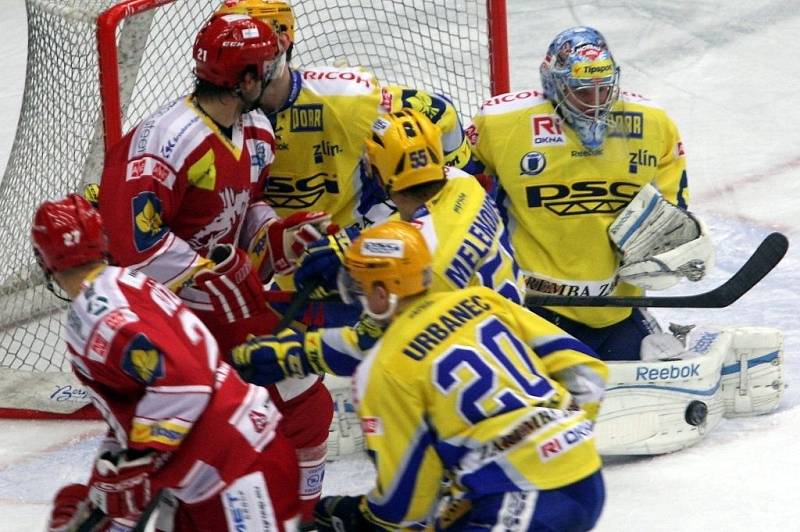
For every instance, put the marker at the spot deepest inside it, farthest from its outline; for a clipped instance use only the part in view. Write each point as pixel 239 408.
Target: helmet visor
pixel 350 290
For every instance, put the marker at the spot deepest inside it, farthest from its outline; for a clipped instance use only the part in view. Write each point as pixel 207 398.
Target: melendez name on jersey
pixel 467 239
pixel 320 134
pixel 559 198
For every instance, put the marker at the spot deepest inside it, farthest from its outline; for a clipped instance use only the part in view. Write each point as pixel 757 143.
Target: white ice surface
pixel 728 73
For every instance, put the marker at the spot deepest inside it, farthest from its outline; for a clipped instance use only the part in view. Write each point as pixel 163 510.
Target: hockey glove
pixel 289 236
pixel 659 242
pixel 341 513
pixel 340 350
pixel 233 285
pixel 253 237
pixel 70 508
pixel 266 360
pixel 120 486
pixel 322 259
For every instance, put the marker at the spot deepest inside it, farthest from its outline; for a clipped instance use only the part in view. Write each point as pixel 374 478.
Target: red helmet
pixel 67 233
pixel 226 45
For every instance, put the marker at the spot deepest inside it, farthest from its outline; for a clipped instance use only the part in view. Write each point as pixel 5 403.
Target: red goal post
pixel 96 68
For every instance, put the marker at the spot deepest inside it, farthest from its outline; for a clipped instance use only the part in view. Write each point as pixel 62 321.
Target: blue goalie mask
pixel 581 78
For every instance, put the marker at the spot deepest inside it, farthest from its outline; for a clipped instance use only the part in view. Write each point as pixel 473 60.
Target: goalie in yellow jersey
pixel 469 388
pixel 593 183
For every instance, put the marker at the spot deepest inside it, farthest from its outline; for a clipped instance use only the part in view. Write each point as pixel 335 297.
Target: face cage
pixel 350 290
pixel 592 112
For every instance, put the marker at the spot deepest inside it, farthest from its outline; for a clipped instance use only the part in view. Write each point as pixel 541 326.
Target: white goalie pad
pixel 663 406
pixel 657 406
pixel 659 242
pixel 753 374
pixel 345 435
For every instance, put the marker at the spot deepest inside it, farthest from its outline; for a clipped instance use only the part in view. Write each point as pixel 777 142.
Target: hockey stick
pixel 298 302
pixel 768 254
pixel 97 516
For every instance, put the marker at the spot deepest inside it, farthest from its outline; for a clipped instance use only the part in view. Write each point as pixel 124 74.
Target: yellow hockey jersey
pixel 320 134
pixel 467 238
pixel 461 387
pixel 559 198
pixel 469 246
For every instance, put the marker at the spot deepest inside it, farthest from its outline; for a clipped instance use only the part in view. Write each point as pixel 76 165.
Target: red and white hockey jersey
pixel 153 371
pixel 175 186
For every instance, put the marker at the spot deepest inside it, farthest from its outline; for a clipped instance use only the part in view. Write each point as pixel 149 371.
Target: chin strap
pixel 383 316
pixel 52 287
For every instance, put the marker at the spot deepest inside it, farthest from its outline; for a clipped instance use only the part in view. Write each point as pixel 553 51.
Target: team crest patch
pixel 148 228
pixel 532 163
pixel 143 361
pixel 424 103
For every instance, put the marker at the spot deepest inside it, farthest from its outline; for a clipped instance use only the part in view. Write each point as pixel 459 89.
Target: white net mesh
pixel 439 45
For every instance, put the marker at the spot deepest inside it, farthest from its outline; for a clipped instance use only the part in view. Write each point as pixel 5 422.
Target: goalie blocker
pixel 655 407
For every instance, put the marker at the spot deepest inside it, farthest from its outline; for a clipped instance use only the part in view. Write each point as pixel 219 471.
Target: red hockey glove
pixel 70 508
pixel 289 236
pixel 233 285
pixel 120 486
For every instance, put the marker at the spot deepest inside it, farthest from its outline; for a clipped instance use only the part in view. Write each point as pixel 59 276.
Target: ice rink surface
pixel 728 74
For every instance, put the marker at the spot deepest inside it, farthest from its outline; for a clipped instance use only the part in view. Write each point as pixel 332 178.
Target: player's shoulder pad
pixel 512 101
pixel 438 107
pixel 334 81
pixel 169 135
pixel 637 99
pixel 650 112
pixel 101 312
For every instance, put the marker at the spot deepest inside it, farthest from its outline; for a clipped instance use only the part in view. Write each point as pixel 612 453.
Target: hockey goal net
pixel 98 67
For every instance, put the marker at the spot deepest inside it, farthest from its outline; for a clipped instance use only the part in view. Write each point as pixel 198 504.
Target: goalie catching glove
pixel 659 242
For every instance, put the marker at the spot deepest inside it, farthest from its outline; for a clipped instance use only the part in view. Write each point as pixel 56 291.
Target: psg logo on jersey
pixel 532 163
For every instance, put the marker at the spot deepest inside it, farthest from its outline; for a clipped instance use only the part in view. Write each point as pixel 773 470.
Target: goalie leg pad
pixel 663 406
pixel 753 374
pixel 345 435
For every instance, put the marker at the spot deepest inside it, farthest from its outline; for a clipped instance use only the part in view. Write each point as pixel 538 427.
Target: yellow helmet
pixel 277 13
pixel 405 149
pixel 393 253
